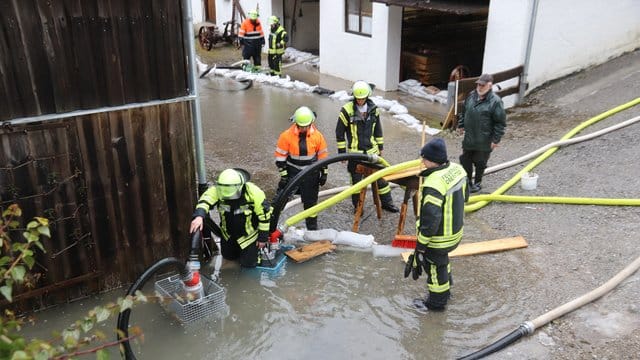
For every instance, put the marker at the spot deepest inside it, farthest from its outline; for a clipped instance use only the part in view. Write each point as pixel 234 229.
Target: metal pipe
pixel 52 117
pixel 525 71
pixel 190 53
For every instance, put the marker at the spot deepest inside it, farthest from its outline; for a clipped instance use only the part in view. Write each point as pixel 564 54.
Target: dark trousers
pixel 471 158
pixel 439 285
pixel 308 190
pixel 248 256
pixel 249 51
pixel 275 63
pixel 383 186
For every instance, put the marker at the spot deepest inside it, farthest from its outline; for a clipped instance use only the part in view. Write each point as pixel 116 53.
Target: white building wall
pixel 374 59
pixel 197 11
pixel 568 36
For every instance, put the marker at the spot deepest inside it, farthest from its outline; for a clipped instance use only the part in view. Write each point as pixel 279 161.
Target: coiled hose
pixel 123 319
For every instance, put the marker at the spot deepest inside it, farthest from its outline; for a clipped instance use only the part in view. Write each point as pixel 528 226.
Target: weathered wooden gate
pixel 96 135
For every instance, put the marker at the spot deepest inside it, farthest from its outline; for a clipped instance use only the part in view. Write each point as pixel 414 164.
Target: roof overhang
pixel 458 7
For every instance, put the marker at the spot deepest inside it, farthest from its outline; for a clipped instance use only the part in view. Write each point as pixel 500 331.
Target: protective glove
pixel 421 257
pixel 323 177
pixel 284 180
pixel 263 239
pixel 413 267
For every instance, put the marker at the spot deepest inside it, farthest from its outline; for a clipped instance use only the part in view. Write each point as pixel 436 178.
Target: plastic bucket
pixel 529 181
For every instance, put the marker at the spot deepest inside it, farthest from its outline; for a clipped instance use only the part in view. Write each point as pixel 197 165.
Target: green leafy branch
pixel 17 259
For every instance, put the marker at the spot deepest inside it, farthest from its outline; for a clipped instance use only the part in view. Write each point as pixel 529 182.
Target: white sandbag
pixel 322 234
pixel 293 235
pixel 354 239
pixel 387 251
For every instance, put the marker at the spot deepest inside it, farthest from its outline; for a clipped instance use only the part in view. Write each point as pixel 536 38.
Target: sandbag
pixel 354 239
pixel 322 234
pixel 387 251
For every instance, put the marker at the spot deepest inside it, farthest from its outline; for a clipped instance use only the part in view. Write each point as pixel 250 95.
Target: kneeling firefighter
pixel 244 216
pixel 301 145
pixel 444 191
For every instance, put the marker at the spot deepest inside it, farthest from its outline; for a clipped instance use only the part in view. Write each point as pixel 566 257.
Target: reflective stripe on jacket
pixel 444 192
pixel 359 133
pixel 251 34
pixel 240 219
pixel 278 40
pixel 300 152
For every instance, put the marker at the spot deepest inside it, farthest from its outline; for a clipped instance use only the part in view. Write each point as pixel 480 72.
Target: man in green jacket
pixel 483 123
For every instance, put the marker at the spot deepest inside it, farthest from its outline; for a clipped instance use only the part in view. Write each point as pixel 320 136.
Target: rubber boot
pixel 312 223
pixel 387 203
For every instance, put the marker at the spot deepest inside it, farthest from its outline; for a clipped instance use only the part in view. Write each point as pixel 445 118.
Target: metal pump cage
pixel 174 301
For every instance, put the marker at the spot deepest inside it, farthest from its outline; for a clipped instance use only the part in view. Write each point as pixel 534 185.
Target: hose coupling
pixel 527 327
pixel 373 158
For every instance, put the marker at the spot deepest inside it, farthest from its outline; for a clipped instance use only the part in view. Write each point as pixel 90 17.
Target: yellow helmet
pixel 229 184
pixel 253 14
pixel 273 20
pixel 361 90
pixel 303 116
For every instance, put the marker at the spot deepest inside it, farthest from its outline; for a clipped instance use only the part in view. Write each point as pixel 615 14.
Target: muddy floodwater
pixel 352 305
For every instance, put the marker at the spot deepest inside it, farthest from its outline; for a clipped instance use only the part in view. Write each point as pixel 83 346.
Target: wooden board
pixel 310 251
pixel 449 119
pixel 482 247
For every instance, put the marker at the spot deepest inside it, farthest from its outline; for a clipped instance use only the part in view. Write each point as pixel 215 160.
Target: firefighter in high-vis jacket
pixel 444 192
pixel 277 41
pixel 244 216
pixel 301 145
pixel 251 37
pixel 359 130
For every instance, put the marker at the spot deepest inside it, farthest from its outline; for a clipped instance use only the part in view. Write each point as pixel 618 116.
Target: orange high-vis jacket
pixel 300 152
pixel 251 34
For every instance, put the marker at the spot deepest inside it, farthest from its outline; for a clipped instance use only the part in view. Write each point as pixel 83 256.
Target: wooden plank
pixel 310 251
pixel 482 247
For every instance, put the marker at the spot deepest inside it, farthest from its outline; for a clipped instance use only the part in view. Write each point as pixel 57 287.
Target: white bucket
pixel 529 181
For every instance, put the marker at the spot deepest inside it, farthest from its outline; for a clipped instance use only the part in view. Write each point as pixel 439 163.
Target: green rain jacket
pixel 484 121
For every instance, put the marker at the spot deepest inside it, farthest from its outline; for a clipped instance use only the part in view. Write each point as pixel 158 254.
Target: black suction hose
pixel 123 318
pixel 502 343
pixel 281 198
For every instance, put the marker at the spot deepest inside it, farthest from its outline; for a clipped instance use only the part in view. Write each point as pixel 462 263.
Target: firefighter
pixel 359 130
pixel 444 191
pixel 277 41
pixel 244 216
pixel 301 145
pixel 252 38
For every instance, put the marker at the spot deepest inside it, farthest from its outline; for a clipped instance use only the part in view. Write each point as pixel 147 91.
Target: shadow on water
pixel 343 305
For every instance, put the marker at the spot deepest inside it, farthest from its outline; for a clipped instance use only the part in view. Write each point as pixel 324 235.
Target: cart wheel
pixel 203 38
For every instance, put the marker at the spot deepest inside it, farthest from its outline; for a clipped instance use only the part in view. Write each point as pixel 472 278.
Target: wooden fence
pixel 117 185
pixel 466 85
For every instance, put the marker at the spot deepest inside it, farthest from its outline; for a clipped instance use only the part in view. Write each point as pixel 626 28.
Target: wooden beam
pixel 483 247
pixel 310 251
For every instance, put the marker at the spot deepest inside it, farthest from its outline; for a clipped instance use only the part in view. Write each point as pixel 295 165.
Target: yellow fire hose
pixel 351 190
pixel 501 190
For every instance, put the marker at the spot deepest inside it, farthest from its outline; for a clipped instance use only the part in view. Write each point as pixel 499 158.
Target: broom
pixel 409 241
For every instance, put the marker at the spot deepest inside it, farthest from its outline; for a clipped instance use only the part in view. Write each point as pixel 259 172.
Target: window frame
pixel 360 15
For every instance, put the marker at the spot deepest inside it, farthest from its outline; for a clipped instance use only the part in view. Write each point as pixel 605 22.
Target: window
pixel 358 17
